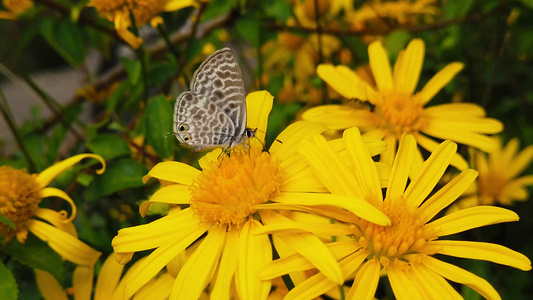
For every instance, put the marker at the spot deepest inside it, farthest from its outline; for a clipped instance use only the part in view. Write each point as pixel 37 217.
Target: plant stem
pixel 6 113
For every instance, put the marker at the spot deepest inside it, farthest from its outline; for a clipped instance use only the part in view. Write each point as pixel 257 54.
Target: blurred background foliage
pixel 123 106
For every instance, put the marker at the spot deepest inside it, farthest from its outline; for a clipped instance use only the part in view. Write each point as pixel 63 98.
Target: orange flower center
pixel 490 186
pixel 143 10
pixel 397 112
pixel 406 234
pixel 226 194
pixel 20 196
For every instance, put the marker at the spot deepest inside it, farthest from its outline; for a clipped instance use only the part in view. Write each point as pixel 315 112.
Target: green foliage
pixel 66 38
pixel 35 254
pixel 108 146
pixel 159 125
pixel 8 285
pixel 123 174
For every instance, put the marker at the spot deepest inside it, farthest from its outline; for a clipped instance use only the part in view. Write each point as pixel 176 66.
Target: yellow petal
pixel 457 161
pixel 364 167
pixel 255 252
pixel 430 174
pixel 434 284
pixel 381 69
pixel 206 161
pixel 159 258
pixel 174 5
pixel 447 194
pixel 328 167
pixel 366 281
pixel 401 167
pixel 440 80
pixel 451 110
pixel 171 194
pixel 308 245
pixel 258 107
pixel 156 233
pixel 343 80
pixel 108 278
pixel 387 157
pixel 318 284
pixel 157 289
pixel 299 177
pixel 46 176
pixel 156 21
pixel 53 192
pixel 404 286
pixel 473 125
pixel 520 162
pixel 319 229
pixel 460 135
pixel 69 247
pixel 199 268
pixel 82 279
pixel 228 265
pixel 286 143
pixel 482 251
pixel 461 276
pixel 173 171
pixel 57 219
pixel 472 217
pixel 354 204
pixel 408 72
pixel 297 263
pixel 337 117
pixel 48 286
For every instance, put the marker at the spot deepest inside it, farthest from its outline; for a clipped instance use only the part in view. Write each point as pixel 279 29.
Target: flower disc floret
pixel 225 194
pixel 19 198
pixel 406 234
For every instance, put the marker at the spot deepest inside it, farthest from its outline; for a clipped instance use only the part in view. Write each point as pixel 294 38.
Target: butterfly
pixel 213 113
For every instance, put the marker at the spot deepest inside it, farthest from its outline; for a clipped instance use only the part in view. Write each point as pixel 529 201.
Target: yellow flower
pixel 118 11
pixel 20 195
pixel 404 250
pixel 497 182
pixel 15 8
pixel 109 284
pixel 224 207
pixel 398 109
pixel 380 13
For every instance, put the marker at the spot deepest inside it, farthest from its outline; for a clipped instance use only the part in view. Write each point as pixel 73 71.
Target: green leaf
pixel 161 72
pixel 35 254
pixel 67 39
pixel 248 29
pixel 158 124
pixel 114 99
pixel 133 68
pixel 108 146
pixel 457 8
pixel 8 286
pixel 528 3
pixel 218 7
pixel 279 9
pixel 7 221
pixel 396 42
pixel 125 173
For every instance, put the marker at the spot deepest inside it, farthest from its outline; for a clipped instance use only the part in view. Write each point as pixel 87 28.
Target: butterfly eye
pixel 187 138
pixel 183 128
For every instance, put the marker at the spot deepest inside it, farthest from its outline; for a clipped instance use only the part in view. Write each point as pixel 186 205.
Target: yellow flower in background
pixel 224 206
pixel 398 109
pixel 20 195
pixel 144 11
pixel 15 8
pixel 405 249
pixel 498 181
pixel 109 283
pixel 379 13
pixel 295 57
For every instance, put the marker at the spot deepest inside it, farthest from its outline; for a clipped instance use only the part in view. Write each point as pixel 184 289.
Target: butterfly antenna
pixel 170 133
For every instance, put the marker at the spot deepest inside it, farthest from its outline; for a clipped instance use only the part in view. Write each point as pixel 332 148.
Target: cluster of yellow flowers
pixel 338 217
